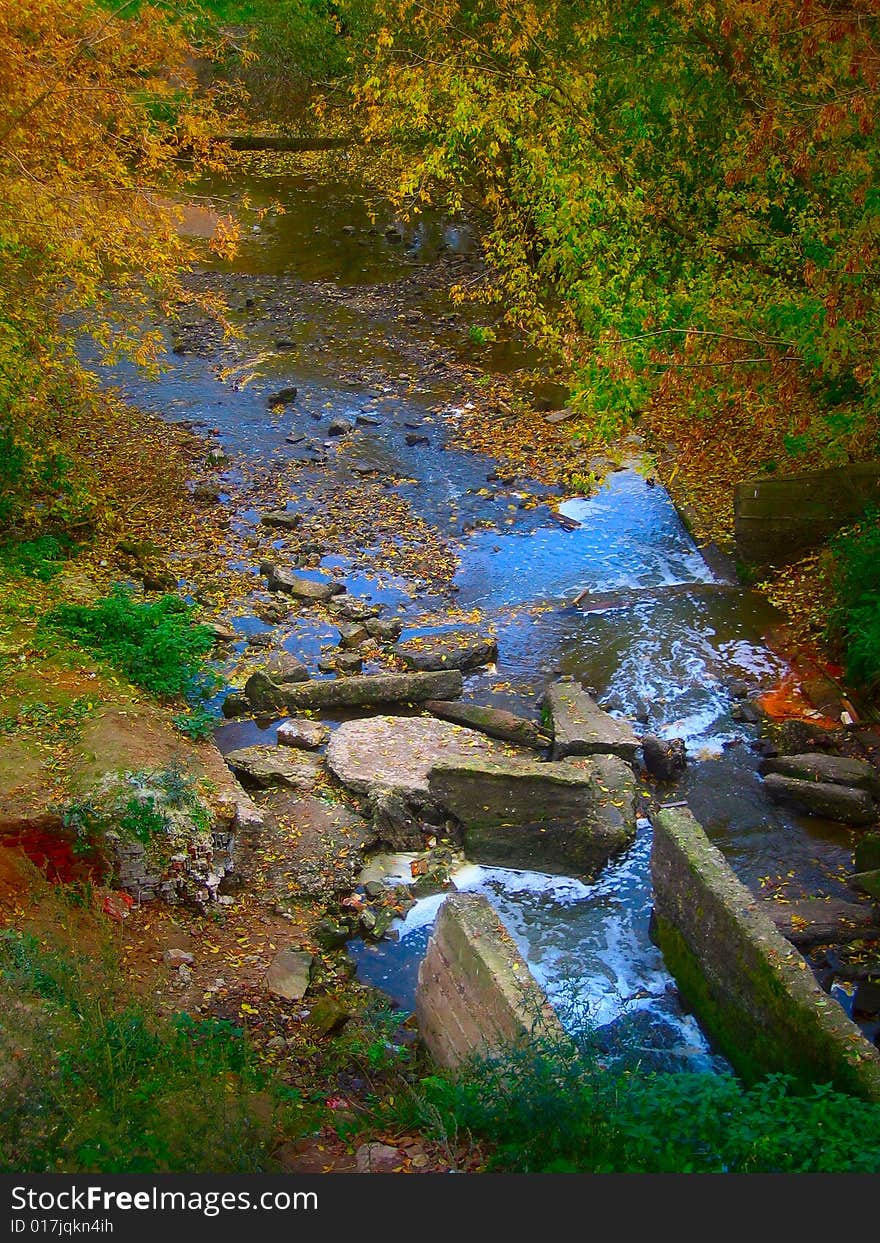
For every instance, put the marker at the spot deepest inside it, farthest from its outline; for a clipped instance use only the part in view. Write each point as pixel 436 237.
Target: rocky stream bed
pixel 446 670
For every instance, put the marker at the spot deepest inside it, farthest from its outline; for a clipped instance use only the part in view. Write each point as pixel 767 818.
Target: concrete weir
pixel 750 988
pixel 476 995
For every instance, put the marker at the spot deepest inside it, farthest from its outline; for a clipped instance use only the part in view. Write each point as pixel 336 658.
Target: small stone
pixel 289 974
pixel 284 518
pixel 177 958
pixel 378 1159
pixel 302 733
pixel 339 427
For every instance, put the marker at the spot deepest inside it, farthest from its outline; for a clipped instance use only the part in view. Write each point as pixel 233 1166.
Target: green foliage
pixel 158 809
pixel 479 334
pixel 543 1112
pixel 108 1087
pixel 854 621
pixel 156 644
pixel 40 558
pixel 673 193
pixel 294 45
pixel 196 723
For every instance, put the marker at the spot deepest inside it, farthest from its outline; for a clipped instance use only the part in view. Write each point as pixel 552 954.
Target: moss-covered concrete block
pixel 752 991
pixel 476 996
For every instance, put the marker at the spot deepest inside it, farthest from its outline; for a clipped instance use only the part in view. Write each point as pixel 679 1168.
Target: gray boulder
pixel 581 727
pixel 286 519
pixel 282 667
pixel 320 589
pixel 262 693
pixel 289 974
pixel 568 818
pixel 843 804
pixel 816 766
pixel 458 650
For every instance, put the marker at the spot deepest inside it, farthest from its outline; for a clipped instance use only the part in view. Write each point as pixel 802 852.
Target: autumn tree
pixel 101 128
pixel 679 197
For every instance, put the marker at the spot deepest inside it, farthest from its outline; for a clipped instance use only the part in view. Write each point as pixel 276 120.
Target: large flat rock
pixel 264 767
pixel 567 818
pixel 581 727
pixel 399 752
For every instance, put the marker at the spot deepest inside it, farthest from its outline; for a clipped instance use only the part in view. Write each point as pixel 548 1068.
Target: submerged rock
pixel 284 397
pixel 844 804
pixel 567 818
pixel 457 650
pixel 386 630
pixel 581 727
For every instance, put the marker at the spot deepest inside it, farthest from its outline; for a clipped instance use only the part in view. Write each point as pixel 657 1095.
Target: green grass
pixel 155 643
pixel 95 1082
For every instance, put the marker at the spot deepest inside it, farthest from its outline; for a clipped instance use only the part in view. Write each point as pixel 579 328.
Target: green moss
pixel 777 1033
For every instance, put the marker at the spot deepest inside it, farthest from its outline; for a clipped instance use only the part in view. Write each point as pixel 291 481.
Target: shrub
pixel 40 558
pixel 854 621
pixel 156 644
pixel 543 1112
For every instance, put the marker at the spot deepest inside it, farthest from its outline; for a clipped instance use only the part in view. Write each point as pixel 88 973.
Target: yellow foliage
pixel 101 128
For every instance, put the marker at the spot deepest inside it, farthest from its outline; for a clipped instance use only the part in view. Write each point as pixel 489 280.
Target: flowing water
pixel 305 292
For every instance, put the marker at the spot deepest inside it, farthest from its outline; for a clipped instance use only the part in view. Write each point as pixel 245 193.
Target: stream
pixel 315 293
